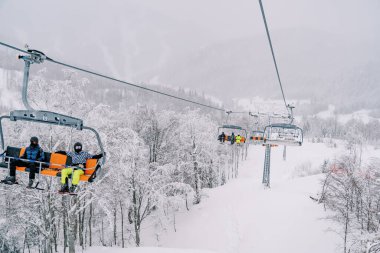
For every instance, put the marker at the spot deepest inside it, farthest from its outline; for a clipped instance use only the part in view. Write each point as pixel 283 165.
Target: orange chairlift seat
pixel 53 164
pixel 257 137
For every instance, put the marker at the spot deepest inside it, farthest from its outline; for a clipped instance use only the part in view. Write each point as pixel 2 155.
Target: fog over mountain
pixel 328 51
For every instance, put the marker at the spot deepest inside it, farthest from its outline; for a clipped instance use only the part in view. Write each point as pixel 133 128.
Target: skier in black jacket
pixel 32 153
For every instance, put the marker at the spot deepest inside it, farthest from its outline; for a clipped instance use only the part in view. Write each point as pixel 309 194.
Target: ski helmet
pixel 78 147
pixel 34 141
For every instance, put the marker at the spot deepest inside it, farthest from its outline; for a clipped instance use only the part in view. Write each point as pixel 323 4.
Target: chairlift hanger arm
pixel 32 56
pixel 1 131
pixel 46 118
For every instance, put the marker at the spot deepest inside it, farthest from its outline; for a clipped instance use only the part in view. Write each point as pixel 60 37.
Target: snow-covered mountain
pixel 314 65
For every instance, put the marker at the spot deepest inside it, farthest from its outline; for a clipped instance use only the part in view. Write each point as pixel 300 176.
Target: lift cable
pixel 116 80
pixel 274 58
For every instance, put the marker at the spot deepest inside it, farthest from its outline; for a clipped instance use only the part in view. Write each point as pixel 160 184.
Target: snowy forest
pixel 159 163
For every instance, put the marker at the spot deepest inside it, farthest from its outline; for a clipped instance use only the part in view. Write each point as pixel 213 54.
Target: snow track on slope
pixel 243 217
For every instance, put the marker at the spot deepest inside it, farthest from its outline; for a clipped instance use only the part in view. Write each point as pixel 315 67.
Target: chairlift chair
pixel 230 129
pixel 257 137
pixel 283 134
pixel 54 162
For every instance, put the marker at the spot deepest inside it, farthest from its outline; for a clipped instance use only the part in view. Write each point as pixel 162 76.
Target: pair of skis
pixel 35 187
pixel 68 193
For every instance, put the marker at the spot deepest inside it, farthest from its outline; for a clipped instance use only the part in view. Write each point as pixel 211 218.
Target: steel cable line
pixel 14 48
pixel 274 58
pixel 127 83
pixel 115 79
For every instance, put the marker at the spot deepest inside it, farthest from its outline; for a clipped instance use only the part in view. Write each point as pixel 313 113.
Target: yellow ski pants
pixel 65 173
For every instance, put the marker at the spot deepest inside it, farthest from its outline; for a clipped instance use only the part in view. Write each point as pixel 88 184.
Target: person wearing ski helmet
pixel 238 139
pixel 32 154
pixel 78 159
pixel 221 137
pixel 232 138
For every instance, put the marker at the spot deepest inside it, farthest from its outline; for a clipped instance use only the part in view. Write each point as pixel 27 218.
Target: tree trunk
pixel 187 204
pixel 136 216
pixel 55 238
pixel 197 186
pixel 25 239
pixel 114 226
pixel 72 231
pixel 122 224
pixel 65 222
pixel 102 235
pixel 80 227
pixel 137 234
pixel 90 225
pixel 346 222
pixel 72 223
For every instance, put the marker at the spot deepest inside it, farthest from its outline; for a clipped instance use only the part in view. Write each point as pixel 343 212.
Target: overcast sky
pixel 137 39
pixel 222 19
pixel 242 17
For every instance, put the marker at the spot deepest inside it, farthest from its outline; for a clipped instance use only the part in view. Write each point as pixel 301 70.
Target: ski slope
pixel 243 217
pixel 142 250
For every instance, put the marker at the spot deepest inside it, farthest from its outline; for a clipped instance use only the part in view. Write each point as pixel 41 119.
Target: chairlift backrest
pixel 283 134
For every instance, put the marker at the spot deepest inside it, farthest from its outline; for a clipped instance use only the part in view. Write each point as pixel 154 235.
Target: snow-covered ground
pixel 242 216
pixel 143 250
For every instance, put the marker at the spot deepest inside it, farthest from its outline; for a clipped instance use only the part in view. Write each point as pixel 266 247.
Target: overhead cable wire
pixel 117 80
pixel 128 83
pixel 14 48
pixel 273 55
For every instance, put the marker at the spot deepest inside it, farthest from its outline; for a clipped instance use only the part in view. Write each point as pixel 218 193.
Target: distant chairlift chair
pixel 283 134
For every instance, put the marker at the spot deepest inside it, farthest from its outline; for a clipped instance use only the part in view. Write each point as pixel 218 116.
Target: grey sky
pixel 221 19
pixel 156 40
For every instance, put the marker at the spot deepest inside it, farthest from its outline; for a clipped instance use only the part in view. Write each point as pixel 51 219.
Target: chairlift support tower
pixel 266 172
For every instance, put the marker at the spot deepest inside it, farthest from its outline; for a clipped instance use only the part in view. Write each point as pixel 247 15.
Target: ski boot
pixel 72 189
pixel 30 183
pixel 9 180
pixel 64 189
